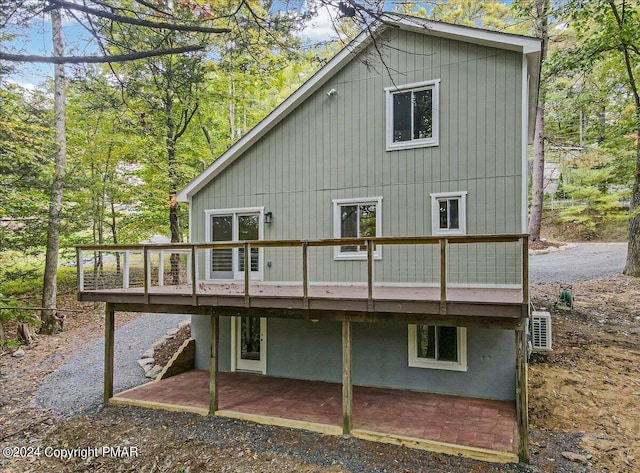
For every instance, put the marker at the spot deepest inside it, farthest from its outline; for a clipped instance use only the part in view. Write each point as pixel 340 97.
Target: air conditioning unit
pixel 541 331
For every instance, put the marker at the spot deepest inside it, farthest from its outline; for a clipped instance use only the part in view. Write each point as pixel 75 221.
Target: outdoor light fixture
pixel 332 92
pixel 268 217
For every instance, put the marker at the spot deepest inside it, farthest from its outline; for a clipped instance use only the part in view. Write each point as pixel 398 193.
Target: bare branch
pixel 137 21
pixel 97 59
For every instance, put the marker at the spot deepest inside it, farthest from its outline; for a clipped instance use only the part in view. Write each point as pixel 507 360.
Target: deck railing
pixel 152 267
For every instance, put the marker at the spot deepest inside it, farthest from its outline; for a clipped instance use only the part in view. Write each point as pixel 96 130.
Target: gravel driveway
pixel 78 383
pixel 581 262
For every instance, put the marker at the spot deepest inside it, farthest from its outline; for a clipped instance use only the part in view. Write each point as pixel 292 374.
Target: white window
pixel 357 218
pixel 412 115
pixel 449 213
pixel 438 347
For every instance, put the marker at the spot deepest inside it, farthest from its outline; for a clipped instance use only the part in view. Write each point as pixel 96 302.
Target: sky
pixel 37 40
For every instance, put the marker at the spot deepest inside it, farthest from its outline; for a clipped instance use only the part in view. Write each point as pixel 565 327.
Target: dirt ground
pixel 584 398
pixel 590 383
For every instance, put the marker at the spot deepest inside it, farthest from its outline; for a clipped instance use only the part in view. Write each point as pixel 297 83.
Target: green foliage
pixel 25 168
pixel 598 194
pixel 11 311
pixel 491 15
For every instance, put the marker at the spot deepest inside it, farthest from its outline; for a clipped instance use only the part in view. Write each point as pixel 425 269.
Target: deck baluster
pixel 370 274
pixel 80 269
pixel 305 274
pixel 247 272
pixel 194 273
pixel 443 276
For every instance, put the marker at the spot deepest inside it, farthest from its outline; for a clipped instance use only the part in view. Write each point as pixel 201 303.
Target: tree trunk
pixel 174 221
pixel 26 333
pixel 632 267
pixel 232 112
pixel 537 197
pixel 50 322
pixel 537 201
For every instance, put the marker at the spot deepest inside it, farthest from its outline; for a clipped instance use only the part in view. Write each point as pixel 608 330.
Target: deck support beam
pixel 109 328
pixel 522 414
pixel 347 387
pixel 213 368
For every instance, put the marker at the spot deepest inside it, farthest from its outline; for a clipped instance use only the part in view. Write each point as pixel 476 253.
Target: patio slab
pixel 415 419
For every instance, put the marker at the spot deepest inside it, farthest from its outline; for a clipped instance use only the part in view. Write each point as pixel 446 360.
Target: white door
pixel 247 228
pixel 249 344
pixel 230 226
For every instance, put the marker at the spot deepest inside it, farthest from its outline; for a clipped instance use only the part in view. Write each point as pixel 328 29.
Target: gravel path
pixel 77 384
pixel 582 262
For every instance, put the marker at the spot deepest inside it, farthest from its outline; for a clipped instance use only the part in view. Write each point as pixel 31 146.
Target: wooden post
pixel 80 269
pixel 194 286
pixel 146 268
pixel 443 276
pixel 109 316
pixel 247 273
pixel 161 268
pixel 522 404
pixel 370 274
pixel 347 389
pixel 125 270
pixel 213 367
pixel 525 270
pixel 305 273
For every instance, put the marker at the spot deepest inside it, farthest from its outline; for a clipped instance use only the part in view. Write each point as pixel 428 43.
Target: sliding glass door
pixel 228 263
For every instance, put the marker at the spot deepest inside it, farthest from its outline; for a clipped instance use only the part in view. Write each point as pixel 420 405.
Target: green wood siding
pixel 334 147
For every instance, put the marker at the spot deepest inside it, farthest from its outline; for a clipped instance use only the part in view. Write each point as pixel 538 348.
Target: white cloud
pixel 321 27
pixel 27 86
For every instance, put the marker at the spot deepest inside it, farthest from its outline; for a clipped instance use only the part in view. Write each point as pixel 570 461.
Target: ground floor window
pixel 438 347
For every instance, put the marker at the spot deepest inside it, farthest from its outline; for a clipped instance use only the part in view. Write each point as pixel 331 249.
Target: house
pixel 369 234
pixel 552 175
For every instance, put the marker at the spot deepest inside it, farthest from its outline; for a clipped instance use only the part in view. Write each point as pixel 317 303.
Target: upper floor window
pixel 449 213
pixel 412 115
pixel 357 218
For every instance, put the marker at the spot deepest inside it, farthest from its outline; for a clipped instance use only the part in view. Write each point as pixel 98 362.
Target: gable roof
pixel 528 46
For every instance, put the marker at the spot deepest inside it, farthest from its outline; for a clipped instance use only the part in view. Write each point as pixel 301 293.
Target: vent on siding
pixel 541 330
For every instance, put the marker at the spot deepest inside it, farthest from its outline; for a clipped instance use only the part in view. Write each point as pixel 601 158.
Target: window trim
pixel 358 255
pixel 435 213
pixel 235 212
pixel 435 121
pixel 416 362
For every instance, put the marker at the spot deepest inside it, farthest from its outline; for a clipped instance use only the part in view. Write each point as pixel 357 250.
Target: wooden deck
pixel 139 286
pixel 331 299
pixel 368 301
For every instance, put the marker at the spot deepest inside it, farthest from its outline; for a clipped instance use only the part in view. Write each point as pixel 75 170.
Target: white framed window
pixel 412 115
pixel 438 347
pixel 449 213
pixel 231 225
pixel 357 218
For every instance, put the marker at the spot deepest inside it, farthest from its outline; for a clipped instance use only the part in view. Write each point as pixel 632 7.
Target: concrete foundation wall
pixel 305 350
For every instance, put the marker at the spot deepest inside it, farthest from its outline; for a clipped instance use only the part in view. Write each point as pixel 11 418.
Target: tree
pixel 154 15
pixel 539 11
pixel 25 145
pixel 611 29
pixel 51 323
pixel 493 15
